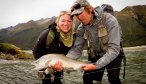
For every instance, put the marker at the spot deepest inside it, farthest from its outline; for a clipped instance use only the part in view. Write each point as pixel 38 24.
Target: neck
pixel 91 20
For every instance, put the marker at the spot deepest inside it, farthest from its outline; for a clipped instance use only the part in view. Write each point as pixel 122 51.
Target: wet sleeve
pixel 114 37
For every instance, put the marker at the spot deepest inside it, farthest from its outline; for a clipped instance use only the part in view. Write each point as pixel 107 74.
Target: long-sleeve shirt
pixel 114 38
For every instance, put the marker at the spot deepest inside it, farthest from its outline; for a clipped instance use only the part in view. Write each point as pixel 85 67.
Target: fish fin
pixel 47 63
pixel 49 71
pixel 34 63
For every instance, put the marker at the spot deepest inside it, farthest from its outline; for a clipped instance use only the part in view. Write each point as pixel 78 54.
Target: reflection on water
pixel 19 71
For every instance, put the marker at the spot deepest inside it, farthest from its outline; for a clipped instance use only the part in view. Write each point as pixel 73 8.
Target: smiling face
pixel 65 23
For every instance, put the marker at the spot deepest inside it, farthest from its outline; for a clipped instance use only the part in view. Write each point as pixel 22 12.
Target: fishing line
pixel 114 68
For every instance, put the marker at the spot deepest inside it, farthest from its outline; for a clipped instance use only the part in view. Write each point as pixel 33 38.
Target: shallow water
pixel 135 69
pixel 19 71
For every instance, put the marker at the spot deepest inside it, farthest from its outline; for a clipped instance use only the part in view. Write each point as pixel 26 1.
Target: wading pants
pixel 113 70
pixel 56 80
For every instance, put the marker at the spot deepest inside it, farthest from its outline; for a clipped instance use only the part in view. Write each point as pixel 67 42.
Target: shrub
pixel 14 51
pixel 7 48
pixel 24 55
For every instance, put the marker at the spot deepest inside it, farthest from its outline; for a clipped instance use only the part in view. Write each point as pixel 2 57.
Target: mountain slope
pixel 132 20
pixel 24 35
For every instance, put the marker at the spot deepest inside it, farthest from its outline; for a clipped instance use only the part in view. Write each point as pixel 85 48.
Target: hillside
pixel 132 20
pixel 24 35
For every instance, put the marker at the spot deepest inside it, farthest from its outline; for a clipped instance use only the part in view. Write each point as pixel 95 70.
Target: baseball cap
pixel 78 6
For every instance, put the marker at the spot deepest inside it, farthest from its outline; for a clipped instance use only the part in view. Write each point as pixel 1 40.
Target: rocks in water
pixel 6 56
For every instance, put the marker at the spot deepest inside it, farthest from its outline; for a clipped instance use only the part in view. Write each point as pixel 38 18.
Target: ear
pixel 90 8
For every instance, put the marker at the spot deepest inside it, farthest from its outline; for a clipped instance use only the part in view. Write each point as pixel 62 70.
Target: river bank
pixel 136 48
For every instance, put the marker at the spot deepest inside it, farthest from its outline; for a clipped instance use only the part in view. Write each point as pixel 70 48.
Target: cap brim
pixel 77 11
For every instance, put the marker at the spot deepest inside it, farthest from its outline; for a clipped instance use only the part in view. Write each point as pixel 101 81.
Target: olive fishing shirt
pixel 114 38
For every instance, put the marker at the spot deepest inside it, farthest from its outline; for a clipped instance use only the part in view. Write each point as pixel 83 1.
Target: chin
pixel 65 31
pixel 85 24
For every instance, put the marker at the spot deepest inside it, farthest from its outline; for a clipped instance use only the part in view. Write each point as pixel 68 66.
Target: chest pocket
pixel 103 36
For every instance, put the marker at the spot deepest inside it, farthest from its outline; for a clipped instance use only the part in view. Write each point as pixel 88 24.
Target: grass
pixel 9 51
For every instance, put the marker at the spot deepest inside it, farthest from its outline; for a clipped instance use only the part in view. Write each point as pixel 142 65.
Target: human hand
pixel 58 66
pixel 88 67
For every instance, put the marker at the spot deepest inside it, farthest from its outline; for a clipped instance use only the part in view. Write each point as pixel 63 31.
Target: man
pixel 102 33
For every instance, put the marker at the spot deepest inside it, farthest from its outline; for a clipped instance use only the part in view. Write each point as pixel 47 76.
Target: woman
pixel 58 38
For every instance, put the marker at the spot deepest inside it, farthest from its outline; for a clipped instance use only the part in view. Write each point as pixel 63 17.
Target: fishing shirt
pixel 114 38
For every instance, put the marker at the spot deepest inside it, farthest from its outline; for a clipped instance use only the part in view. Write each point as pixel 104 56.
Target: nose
pixel 65 23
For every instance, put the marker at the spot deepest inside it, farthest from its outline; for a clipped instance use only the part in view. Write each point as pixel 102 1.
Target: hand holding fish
pixel 88 67
pixel 58 66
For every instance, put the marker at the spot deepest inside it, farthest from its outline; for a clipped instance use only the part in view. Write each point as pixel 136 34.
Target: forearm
pixel 107 58
pixel 37 51
pixel 76 51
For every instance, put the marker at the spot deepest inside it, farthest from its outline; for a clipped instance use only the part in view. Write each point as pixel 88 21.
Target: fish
pixel 49 60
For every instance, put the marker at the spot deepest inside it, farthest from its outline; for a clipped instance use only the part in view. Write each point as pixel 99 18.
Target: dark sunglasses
pixel 77 6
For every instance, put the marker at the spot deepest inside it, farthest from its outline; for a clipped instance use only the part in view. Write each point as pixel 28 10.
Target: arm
pixel 77 48
pixel 40 44
pixel 114 38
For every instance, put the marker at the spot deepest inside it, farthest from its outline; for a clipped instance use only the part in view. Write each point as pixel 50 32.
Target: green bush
pixel 24 55
pixel 15 51
pixel 7 48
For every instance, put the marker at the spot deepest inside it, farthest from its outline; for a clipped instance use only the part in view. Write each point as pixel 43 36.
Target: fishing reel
pixel 42 74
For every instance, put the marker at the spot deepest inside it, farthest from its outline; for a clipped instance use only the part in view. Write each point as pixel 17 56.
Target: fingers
pixel 58 66
pixel 82 67
pixel 88 67
pixel 85 68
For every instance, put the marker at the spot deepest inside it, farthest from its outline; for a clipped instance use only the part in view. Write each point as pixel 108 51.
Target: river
pixel 19 71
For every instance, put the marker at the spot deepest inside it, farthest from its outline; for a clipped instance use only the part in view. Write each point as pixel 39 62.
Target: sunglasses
pixel 77 6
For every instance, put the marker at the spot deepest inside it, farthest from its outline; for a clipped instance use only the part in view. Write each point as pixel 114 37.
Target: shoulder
pixel 109 17
pixel 52 26
pixel 111 23
pixel 44 33
pixel 80 29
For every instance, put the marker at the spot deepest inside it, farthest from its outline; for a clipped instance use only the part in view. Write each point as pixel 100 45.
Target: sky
pixel 13 12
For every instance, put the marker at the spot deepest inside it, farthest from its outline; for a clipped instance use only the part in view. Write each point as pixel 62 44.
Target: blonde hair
pixel 63 13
